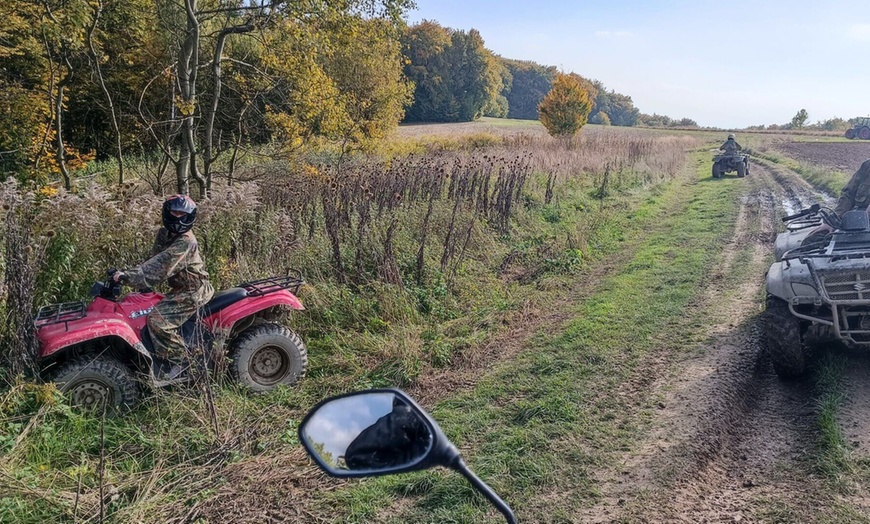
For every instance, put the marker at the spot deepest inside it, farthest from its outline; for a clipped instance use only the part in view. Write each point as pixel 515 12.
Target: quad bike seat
pixel 221 300
pixel 192 331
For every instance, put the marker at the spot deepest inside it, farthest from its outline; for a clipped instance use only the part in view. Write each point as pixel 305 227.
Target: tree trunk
pixel 188 64
pixel 98 9
pixel 60 152
pixel 210 155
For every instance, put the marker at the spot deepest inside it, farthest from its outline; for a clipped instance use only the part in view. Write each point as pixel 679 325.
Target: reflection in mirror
pixel 374 431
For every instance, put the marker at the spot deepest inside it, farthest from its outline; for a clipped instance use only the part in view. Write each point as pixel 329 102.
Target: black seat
pixel 222 300
pixel 191 330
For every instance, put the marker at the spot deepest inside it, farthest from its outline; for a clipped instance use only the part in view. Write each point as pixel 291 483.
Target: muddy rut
pixel 730 442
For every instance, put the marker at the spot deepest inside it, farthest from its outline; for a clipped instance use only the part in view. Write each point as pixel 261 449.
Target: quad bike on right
pixel 819 286
pixel 729 162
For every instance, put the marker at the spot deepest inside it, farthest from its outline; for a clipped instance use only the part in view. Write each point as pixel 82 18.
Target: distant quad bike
pixel 818 288
pixel 860 130
pixel 730 162
pixel 100 353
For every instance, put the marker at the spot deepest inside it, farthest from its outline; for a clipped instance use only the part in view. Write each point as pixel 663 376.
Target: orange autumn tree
pixel 566 107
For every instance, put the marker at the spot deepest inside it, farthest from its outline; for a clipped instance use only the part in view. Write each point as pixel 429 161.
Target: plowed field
pixel 842 156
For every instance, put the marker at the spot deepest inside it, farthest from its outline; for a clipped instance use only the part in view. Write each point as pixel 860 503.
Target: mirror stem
pixel 459 465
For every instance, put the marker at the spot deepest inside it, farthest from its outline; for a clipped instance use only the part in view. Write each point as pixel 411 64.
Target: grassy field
pixel 535 427
pixel 533 126
pixel 531 346
pixel 174 455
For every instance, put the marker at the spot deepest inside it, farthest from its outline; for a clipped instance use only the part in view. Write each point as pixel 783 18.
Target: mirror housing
pixel 373 433
pixel 387 428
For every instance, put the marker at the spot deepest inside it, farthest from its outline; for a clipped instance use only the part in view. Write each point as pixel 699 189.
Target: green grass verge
pixel 535 428
pixel 832 456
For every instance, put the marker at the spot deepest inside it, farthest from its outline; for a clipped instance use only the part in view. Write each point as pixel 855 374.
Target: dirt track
pixel 731 442
pixel 841 156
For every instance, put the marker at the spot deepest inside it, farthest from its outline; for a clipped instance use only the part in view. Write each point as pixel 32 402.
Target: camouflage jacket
pixel 856 193
pixel 730 146
pixel 173 259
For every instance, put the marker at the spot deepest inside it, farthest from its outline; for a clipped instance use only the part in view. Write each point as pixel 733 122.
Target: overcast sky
pixel 726 64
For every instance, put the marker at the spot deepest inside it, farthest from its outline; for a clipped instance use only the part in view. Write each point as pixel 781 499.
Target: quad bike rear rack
pixel 60 313
pixel 291 282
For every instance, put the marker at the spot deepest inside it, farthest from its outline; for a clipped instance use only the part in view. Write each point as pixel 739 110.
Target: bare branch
pixel 263 6
pixel 98 9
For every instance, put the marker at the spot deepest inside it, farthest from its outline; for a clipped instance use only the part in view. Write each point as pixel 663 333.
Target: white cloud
pixel 859 32
pixel 613 34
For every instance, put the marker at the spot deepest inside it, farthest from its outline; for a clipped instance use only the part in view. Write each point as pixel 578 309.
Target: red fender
pixel 226 318
pixel 54 337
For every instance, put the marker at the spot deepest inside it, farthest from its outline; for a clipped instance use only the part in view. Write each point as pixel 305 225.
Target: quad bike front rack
pixel 57 313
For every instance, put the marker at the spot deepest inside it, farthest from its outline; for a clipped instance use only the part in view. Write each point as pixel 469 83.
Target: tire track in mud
pixel 729 438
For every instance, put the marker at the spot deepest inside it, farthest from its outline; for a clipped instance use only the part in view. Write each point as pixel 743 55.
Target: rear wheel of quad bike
pixel 741 169
pixel 89 381
pixel 717 170
pixel 864 133
pixel 783 340
pixel 267 356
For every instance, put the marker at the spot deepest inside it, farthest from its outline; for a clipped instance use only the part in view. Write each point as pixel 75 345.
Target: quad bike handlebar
pixel 828 216
pixel 802 213
pixel 110 290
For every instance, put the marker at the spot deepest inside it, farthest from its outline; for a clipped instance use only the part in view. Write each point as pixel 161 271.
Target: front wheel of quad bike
pixel 266 356
pixel 741 170
pixel 717 170
pixel 90 381
pixel 783 340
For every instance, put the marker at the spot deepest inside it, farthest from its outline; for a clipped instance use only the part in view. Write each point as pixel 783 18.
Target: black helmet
pixel 179 204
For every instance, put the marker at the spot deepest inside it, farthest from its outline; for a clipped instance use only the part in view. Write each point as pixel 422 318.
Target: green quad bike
pixel 731 162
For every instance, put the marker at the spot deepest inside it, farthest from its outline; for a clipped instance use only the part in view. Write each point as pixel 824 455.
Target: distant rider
pixel 175 258
pixel 731 146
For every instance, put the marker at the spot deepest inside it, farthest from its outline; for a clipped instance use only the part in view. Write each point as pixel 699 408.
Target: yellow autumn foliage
pixel 565 109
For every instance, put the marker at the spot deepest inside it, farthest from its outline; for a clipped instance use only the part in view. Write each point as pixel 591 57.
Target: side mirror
pixel 372 433
pixel 382 432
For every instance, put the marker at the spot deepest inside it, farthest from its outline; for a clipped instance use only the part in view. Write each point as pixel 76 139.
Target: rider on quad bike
pixel 175 259
pixel 731 159
pixel 855 195
pixel 731 145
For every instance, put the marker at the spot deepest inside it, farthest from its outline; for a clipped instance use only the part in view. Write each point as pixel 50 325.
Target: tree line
pixel 204 83
pixel 457 79
pixel 800 121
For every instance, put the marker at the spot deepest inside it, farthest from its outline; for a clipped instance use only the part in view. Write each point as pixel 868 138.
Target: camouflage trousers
pixel 169 314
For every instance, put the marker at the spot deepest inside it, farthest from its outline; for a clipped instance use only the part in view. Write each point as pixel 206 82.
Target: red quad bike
pixel 100 352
